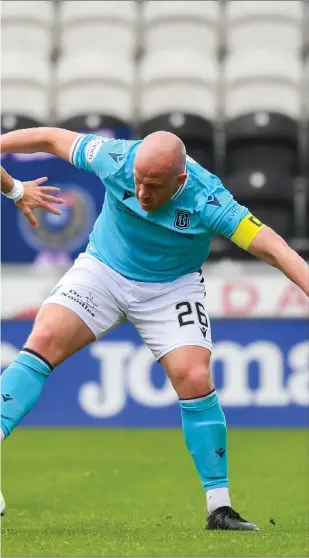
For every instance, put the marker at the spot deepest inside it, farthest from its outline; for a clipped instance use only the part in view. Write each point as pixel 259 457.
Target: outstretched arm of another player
pixel 30 195
pixel 271 248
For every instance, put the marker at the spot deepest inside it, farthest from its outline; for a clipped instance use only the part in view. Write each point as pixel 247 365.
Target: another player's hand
pixel 37 196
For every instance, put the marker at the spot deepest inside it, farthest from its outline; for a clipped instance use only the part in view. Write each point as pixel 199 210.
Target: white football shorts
pixel 166 315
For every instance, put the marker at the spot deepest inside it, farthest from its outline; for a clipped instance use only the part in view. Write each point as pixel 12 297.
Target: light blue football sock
pixel 21 385
pixel 204 428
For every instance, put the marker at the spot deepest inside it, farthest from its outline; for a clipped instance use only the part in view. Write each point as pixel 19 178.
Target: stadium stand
pixel 179 73
pixel 26 29
pixel 269 196
pixel 12 121
pixel 25 83
pixel 91 81
pixel 274 25
pixel 96 123
pixel 262 95
pixel 182 24
pixel 101 25
pixel 263 103
pixel 178 95
pixel 262 140
pixel 260 80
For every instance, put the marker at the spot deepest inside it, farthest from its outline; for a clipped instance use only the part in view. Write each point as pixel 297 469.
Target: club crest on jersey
pixel 182 219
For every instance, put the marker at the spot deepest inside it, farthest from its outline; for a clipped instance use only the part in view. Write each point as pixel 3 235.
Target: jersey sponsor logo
pixel 86 302
pixel 122 208
pixel 182 219
pixel 93 148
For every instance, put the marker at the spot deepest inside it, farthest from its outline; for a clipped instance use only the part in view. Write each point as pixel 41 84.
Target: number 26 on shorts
pixel 188 314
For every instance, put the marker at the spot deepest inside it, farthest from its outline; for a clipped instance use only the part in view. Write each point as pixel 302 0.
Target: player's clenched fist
pixel 30 195
pixel 37 196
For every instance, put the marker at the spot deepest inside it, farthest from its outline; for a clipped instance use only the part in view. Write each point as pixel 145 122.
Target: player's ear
pixel 181 178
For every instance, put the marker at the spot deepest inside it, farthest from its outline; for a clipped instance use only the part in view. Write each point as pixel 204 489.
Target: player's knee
pixel 46 340
pixel 193 381
pixel 198 378
pixel 41 338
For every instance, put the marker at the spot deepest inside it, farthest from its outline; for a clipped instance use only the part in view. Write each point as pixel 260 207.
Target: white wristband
pixel 17 191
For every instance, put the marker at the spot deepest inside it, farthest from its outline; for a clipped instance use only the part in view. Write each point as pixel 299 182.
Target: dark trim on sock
pixel 198 397
pixel 32 352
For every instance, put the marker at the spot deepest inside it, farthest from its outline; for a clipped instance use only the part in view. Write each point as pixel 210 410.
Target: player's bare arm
pixel 266 245
pixel 30 195
pixel 56 141
pixel 272 248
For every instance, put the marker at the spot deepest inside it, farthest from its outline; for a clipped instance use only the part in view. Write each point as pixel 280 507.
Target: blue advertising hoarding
pixel 83 195
pixel 260 367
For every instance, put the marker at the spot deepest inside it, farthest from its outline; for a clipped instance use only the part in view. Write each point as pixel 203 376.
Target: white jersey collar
pixel 181 189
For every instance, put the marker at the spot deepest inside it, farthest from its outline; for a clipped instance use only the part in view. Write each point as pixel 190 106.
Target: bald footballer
pixel 143 265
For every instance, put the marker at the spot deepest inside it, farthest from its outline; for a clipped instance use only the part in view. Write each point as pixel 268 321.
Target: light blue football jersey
pixel 157 246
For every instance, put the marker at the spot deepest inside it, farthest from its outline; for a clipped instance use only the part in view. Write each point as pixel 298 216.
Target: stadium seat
pixel 94 84
pixel 10 122
pixel 196 133
pixel 262 80
pixel 269 196
pixel 306 87
pixel 25 86
pixel 181 24
pixel 26 26
pixel 93 123
pixel 221 249
pixel 262 141
pixel 178 80
pixel 306 140
pixel 273 25
pixel 98 26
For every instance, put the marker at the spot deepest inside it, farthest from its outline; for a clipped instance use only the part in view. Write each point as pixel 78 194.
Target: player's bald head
pixel 161 153
pixel 159 169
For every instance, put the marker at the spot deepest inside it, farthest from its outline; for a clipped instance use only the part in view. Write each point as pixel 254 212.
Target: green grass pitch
pixel 96 492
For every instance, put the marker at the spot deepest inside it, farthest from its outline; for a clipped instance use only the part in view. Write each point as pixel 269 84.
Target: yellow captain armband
pixel 246 231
